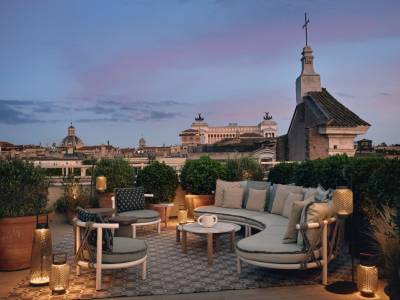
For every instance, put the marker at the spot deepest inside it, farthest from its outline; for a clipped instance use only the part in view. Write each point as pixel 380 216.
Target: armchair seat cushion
pixel 125 250
pixel 142 215
pixel 267 246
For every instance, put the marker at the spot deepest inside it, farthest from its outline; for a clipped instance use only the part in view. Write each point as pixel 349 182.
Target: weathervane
pixel 305 26
pixel 267 116
pixel 199 118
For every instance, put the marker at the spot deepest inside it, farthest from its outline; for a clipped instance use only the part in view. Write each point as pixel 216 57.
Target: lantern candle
pixel 367 275
pixel 101 183
pixel 343 201
pixel 41 254
pixel 182 216
pixel 59 275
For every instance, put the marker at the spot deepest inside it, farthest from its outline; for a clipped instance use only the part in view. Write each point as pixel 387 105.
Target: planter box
pixel 105 199
pixel 16 238
pixel 193 201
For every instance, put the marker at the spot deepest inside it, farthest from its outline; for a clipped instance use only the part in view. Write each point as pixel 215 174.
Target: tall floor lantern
pixel 41 256
pixel 343 206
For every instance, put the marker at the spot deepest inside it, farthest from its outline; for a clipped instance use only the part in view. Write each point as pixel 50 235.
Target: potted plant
pixel 161 181
pixel 198 178
pixel 244 168
pixel 73 197
pixel 119 174
pixel 23 196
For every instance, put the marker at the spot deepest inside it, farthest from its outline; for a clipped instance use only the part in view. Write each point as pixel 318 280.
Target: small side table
pixel 164 206
pixel 125 225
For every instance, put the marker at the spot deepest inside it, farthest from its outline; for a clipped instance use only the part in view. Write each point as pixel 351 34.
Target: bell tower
pixel 309 80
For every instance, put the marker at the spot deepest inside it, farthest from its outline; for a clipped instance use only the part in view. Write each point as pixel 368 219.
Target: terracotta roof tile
pixel 335 113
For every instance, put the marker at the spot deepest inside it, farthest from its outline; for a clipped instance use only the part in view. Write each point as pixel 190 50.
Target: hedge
pixel 375 180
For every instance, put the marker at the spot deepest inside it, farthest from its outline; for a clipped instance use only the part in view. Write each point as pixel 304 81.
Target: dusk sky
pixel 122 69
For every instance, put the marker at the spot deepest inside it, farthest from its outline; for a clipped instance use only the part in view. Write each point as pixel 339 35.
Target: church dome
pixel 71 140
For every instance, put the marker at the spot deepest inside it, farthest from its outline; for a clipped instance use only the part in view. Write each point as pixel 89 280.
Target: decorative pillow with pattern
pixel 86 216
pixel 128 199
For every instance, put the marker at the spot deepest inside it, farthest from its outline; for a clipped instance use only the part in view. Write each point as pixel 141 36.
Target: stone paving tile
pixel 172 272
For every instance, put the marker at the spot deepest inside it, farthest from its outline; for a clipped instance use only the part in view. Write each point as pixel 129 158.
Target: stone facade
pixel 321 126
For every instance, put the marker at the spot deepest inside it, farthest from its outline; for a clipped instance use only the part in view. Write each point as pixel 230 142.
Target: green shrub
pixel 282 173
pixel 73 196
pixel 199 176
pixel 118 172
pixel 160 180
pixel 243 169
pixel 23 189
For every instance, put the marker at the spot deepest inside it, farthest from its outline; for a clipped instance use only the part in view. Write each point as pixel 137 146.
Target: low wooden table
pixel 165 206
pixel 217 230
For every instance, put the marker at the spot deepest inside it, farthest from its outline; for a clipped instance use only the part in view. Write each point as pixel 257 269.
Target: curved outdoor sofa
pixel 266 247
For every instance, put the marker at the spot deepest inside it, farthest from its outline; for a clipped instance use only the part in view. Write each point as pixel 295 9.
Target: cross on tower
pixel 305 26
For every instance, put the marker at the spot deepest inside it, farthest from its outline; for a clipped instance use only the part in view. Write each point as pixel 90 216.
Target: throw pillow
pixel 314 212
pixel 128 199
pixel 233 197
pixel 322 194
pixel 281 193
pixel 256 200
pixel 107 240
pixel 288 203
pixel 219 190
pixel 294 219
pixel 310 192
pixel 257 185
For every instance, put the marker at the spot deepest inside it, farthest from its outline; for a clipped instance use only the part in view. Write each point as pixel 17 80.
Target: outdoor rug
pixel 172 272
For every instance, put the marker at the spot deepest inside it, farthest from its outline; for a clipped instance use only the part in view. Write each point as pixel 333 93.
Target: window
pixel 335 147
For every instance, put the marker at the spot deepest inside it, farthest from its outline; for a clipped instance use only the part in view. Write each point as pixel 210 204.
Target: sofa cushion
pixel 255 219
pixel 233 197
pixel 271 197
pixel 125 250
pixel 256 199
pixel 267 246
pixel 314 212
pixel 281 193
pixel 288 203
pixel 257 185
pixel 294 219
pixel 143 215
pixel 310 193
pixel 240 216
pixel 127 199
pixel 219 190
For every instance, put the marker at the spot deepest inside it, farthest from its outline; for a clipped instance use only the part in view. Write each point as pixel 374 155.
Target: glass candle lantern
pixel 343 201
pixel 182 216
pixel 101 183
pixel 59 275
pixel 41 254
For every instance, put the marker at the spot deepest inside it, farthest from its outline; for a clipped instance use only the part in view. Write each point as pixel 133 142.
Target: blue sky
pixel 122 69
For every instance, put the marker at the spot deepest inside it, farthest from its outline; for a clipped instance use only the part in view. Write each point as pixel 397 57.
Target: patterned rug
pixel 172 272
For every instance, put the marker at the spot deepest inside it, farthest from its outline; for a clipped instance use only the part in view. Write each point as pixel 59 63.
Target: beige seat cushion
pixel 288 203
pixel 294 219
pixel 233 197
pixel 219 190
pixel 281 193
pixel 256 200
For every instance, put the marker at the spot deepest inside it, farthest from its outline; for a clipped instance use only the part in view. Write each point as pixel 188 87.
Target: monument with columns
pixel 201 133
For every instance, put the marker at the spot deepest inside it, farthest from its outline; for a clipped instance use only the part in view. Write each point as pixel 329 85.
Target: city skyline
pixel 120 70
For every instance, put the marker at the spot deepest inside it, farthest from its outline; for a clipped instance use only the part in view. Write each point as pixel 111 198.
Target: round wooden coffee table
pixel 211 232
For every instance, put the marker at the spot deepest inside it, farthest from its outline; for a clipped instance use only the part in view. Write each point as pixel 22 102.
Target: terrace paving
pixel 9 280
